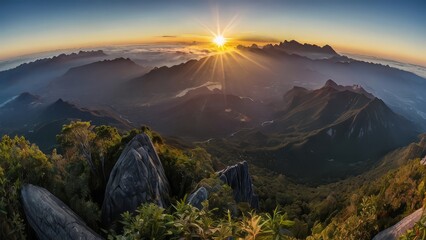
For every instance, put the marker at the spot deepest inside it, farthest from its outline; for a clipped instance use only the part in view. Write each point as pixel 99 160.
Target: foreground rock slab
pixel 401 227
pixel 239 179
pixel 51 218
pixel 137 177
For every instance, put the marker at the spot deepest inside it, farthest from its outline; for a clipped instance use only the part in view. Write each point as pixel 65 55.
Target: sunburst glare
pixel 219 40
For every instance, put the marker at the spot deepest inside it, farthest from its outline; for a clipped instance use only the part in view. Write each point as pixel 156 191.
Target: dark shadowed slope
pixel 48 123
pixel 40 122
pixel 334 131
pixel 210 115
pixel 19 111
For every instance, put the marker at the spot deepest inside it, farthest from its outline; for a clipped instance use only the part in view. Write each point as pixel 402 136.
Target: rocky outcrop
pixel 401 227
pixel 137 177
pixel 199 196
pixel 51 218
pixel 239 179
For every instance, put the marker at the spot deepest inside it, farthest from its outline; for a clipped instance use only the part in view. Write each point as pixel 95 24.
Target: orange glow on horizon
pixel 205 42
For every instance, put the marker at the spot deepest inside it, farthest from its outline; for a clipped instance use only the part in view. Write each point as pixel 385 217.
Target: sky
pixel 387 29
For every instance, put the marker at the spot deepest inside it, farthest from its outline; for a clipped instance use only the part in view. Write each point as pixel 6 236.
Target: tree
pixel 76 139
pixel 106 137
pixel 86 151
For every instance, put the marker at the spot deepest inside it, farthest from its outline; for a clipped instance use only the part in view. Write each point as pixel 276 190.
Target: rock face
pixel 51 218
pixel 198 197
pixel 239 179
pixel 137 177
pixel 401 227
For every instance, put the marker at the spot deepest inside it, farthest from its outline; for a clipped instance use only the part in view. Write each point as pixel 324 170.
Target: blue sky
pixel 389 29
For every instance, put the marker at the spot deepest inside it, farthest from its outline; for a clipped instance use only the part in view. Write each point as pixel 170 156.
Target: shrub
pixel 188 222
pixel 20 163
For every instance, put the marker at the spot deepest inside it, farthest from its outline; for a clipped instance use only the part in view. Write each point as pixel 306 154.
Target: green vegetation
pixel 354 208
pixel 187 222
pixel 20 163
pixel 392 185
pixel 88 157
pixel 184 169
pixel 379 204
pixel 77 174
pixel 221 197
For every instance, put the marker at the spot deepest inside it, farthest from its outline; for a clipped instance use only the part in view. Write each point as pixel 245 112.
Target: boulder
pixel 199 196
pixel 51 218
pixel 137 177
pixel 239 179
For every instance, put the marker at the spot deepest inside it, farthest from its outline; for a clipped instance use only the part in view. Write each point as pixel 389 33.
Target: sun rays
pixel 226 61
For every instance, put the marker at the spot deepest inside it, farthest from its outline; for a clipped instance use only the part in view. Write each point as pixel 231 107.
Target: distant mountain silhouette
pixel 293 47
pixel 33 75
pixel 94 82
pixel 296 47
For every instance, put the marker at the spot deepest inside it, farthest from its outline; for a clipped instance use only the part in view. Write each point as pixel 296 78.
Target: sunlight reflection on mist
pixel 419 70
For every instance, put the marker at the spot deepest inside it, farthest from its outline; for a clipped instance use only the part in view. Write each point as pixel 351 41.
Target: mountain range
pixel 31 76
pixel 266 73
pixel 40 122
pixel 331 141
pixel 331 129
pixel 246 98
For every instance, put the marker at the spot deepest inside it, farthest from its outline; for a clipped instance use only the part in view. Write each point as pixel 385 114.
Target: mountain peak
pixel 331 83
pixel 120 59
pixel 328 48
pixel 94 52
pixel 354 88
pixel 60 59
pixel 80 54
pixel 22 101
pixel 254 46
pixel 311 51
pixel 27 97
pixel 289 43
pixel 61 103
pixel 107 65
pixel 294 47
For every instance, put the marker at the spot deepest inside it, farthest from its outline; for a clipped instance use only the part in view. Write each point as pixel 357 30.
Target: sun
pixel 219 40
